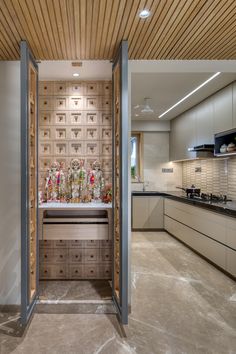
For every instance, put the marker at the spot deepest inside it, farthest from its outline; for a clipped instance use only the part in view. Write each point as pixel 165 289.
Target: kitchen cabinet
pixel 204 122
pixel 209 233
pixel 182 136
pixel 147 212
pixel 223 109
pixel 234 105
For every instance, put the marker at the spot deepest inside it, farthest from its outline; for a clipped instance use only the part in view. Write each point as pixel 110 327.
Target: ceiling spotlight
pixel 144 13
pixel 75 74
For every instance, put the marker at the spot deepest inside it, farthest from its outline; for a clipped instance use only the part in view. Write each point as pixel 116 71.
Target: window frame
pixel 139 172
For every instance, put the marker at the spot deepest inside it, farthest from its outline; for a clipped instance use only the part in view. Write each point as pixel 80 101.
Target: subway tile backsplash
pixel 217 176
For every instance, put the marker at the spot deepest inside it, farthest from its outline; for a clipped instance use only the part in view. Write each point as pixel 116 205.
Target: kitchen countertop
pixel 92 205
pixel 226 208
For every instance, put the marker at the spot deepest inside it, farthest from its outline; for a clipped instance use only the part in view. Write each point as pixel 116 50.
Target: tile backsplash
pixel 217 176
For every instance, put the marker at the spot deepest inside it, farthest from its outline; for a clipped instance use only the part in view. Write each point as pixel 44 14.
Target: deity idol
pixel 77 179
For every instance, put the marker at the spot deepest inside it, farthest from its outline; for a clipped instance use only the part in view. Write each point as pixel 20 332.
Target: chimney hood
pixel 203 147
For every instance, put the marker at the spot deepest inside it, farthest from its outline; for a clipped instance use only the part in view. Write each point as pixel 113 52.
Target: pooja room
pixel 74 184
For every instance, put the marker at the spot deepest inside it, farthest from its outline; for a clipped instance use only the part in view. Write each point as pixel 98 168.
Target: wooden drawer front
pixel 60 243
pixel 92 103
pixel 91 133
pixel 91 118
pixel 45 133
pixel 92 88
pixel 76 255
pixel 60 133
pixel 76 102
pixel 76 148
pixel 106 254
pixel 106 133
pixel 45 103
pixel 60 103
pixel 61 149
pixel 106 243
pixel 91 271
pixel 92 244
pixel 45 88
pixel 231 261
pixel 92 148
pixel 106 103
pixel 75 232
pixel 45 149
pixel 75 88
pixel 107 164
pixel 46 244
pixel 209 223
pixel 76 118
pixel 107 89
pixel 44 164
pixel 45 118
pixel 61 118
pixel 105 271
pixel 76 133
pixel 46 255
pixel 60 88
pixel 60 255
pixel 106 149
pixel 91 255
pixel 75 271
pixel 59 271
pixel 202 244
pixel 106 119
pixel 76 244
pixel 231 233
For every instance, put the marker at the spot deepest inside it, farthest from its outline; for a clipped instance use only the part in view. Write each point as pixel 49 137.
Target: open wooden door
pixel 120 181
pixel 29 183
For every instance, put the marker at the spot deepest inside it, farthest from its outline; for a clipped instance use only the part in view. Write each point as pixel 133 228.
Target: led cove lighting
pixel 75 74
pixel 190 94
pixel 144 13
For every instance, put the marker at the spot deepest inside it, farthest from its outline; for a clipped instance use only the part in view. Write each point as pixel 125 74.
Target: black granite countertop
pixel 226 208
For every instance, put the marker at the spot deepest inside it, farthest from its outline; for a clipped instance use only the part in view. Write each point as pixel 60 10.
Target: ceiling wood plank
pixel 220 26
pixel 93 29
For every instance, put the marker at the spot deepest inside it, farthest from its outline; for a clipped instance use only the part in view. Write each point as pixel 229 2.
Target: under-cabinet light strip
pixel 190 93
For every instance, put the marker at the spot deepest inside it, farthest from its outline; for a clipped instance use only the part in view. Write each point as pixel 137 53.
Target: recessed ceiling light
pixel 76 74
pixel 144 13
pixel 190 94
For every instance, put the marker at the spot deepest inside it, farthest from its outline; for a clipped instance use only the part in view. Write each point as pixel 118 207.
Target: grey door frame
pixel 122 59
pixel 27 306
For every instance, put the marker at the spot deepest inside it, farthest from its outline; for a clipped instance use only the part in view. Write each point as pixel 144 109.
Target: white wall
pixel 10 188
pixel 156 157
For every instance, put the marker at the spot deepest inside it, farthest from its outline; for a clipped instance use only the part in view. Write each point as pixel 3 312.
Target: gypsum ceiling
pixel 93 29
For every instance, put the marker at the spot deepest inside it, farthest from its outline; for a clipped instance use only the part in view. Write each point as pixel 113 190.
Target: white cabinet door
pixel 140 213
pixel 156 212
pixel 223 109
pixel 231 261
pixel 234 105
pixel 204 122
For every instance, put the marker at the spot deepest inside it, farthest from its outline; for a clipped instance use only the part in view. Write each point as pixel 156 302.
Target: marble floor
pixel 75 290
pixel 180 305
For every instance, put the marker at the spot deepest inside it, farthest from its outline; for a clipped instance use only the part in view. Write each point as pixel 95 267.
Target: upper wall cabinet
pixel 182 136
pixel 204 122
pixel 234 105
pixel 223 109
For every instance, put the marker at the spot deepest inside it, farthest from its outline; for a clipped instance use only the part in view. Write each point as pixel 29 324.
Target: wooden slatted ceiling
pixel 93 29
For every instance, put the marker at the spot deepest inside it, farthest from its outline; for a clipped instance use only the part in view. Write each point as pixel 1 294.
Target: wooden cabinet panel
pixel 231 233
pixel 147 212
pixel 223 109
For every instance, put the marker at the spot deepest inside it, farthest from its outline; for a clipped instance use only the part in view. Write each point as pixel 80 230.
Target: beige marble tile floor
pixel 180 305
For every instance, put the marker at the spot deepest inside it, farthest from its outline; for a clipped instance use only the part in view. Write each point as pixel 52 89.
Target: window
pixel 136 163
